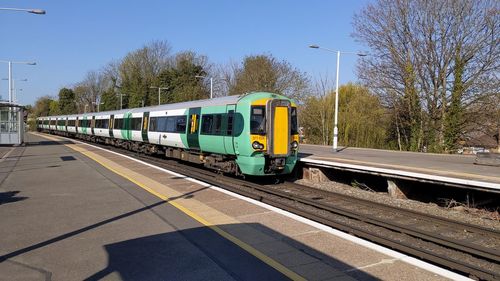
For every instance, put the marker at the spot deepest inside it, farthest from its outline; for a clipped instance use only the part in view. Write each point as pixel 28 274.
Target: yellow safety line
pixel 258 254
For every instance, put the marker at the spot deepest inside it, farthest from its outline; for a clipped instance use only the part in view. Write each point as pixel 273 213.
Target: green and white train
pixel 251 134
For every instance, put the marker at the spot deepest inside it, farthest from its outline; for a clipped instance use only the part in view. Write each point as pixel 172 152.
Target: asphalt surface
pixel 459 166
pixel 65 217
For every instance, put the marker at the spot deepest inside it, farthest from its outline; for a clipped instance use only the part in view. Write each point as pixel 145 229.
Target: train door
pixel 145 126
pixel 194 128
pixel 92 125
pixel 111 122
pixel 228 136
pixel 278 126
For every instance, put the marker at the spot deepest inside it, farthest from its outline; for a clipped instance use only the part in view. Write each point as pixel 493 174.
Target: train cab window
pixel 135 124
pixel 294 126
pixel 258 120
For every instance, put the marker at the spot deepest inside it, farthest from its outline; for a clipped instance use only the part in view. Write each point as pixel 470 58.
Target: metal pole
pixel 211 87
pixel 121 101
pixel 10 82
pixel 335 129
pixel 159 90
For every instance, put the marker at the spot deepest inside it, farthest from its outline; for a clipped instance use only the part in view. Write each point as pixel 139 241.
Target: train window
pixel 230 117
pixel 61 122
pixel 135 124
pixel 152 124
pixel 211 124
pixel 118 124
pixel 294 126
pixel 206 124
pixel 71 123
pixel 180 126
pixel 170 124
pixel 101 123
pixel 258 120
pixel 217 128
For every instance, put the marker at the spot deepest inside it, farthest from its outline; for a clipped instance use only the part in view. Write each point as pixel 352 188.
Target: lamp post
pixel 159 91
pixel 10 74
pixel 211 83
pixel 335 128
pixel 31 11
pixel 121 99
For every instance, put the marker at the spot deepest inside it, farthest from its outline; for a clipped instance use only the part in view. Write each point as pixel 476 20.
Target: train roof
pixel 181 105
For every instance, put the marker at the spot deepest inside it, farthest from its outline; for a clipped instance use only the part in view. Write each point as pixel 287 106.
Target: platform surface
pixel 443 165
pixel 71 212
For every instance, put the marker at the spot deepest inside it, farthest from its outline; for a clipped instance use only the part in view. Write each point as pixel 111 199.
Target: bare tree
pixel 88 92
pixel 429 58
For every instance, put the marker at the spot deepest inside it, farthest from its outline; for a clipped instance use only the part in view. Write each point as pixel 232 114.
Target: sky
pixel 75 37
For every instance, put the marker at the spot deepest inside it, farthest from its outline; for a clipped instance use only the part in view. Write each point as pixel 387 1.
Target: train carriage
pixel 252 134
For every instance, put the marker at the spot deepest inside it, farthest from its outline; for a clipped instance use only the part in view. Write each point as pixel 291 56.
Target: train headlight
pixel 295 145
pixel 257 145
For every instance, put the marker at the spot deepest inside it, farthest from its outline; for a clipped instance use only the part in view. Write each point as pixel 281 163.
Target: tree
pixel 110 100
pixel 362 118
pixel 428 60
pixel 54 108
pixel 88 92
pixel 266 73
pixel 181 81
pixel 139 70
pixel 67 101
pixel 42 106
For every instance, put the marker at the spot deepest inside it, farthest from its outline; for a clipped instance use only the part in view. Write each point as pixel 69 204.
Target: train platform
pixel 454 170
pixel 70 211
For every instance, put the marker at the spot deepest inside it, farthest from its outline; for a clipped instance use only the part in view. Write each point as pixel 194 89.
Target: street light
pixel 121 99
pixel 211 83
pixel 10 73
pixel 14 89
pixel 335 128
pixel 31 11
pixel 159 91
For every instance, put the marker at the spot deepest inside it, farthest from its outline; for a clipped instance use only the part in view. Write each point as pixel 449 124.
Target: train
pixel 252 134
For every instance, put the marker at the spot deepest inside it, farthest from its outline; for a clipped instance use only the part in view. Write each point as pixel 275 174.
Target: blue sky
pixel 75 37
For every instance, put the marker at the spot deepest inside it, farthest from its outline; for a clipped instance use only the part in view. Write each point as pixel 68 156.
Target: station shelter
pixel 11 124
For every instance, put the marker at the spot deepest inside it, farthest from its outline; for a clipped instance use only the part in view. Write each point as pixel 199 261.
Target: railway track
pixel 464 248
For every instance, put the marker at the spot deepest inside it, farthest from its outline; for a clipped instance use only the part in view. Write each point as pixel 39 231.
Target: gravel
pixel 473 216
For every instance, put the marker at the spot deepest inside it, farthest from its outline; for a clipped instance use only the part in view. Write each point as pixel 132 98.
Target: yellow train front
pixel 267 142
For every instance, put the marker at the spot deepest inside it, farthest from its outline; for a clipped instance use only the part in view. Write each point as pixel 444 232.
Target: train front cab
pixel 273 137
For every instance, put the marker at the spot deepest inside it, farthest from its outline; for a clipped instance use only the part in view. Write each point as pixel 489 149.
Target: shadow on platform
pixel 35 143
pixel 166 257
pixel 10 197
